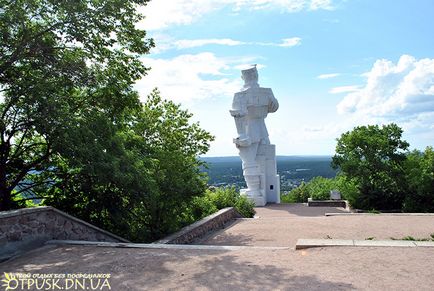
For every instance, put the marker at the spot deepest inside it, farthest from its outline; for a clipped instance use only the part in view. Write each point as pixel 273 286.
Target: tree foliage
pixel 373 157
pixel 135 180
pixel 63 65
pixel 419 169
pixel 376 173
pixel 73 131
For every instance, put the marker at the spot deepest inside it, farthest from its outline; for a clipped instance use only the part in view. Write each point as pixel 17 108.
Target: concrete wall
pixel 200 228
pixel 28 228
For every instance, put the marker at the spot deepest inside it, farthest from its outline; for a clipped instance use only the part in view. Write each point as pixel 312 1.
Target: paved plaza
pixel 260 264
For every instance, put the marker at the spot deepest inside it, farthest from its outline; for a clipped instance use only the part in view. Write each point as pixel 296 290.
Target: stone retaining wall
pixel 200 228
pixel 328 203
pixel 28 228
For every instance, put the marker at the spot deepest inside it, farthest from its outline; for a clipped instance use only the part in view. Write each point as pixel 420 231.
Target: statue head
pixel 250 77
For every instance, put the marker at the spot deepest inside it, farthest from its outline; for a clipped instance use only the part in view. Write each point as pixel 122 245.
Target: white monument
pixel 250 108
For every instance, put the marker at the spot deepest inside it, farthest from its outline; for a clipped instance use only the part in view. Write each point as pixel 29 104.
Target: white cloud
pixel 192 77
pixel 402 93
pixel 161 14
pixel 328 76
pixel 185 43
pixel 401 89
pixel 290 42
pixel 344 89
pixel 165 43
pixel 321 4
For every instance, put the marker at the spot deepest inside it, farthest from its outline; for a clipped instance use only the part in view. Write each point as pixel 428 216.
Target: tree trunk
pixel 5 193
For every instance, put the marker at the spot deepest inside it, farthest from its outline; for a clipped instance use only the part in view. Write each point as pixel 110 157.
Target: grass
pixel 410 238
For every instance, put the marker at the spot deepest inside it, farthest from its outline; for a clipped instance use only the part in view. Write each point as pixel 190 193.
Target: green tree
pixel 66 69
pixel 373 158
pixel 419 169
pixel 135 180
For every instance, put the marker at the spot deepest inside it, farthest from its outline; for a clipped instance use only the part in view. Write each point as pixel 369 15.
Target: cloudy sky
pixel 332 64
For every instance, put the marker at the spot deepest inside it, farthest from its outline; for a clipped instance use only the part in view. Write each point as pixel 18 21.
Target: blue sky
pixel 332 64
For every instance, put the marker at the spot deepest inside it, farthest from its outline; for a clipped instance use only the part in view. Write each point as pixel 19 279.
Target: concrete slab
pixel 424 243
pixel 318 243
pixel 384 243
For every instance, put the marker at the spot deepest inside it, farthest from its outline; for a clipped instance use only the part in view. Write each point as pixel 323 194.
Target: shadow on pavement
pixel 225 273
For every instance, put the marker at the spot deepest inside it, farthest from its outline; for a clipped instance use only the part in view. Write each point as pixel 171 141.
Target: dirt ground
pixel 333 268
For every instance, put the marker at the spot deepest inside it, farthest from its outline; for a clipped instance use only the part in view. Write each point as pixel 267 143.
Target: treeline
pixel 376 171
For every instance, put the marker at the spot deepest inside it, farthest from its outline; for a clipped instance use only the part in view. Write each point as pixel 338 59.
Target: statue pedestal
pixel 267 163
pixel 269 187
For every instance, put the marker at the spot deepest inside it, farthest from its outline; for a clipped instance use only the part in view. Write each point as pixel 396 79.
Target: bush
pixel 297 195
pixel 348 188
pixel 214 200
pixel 244 206
pixel 319 189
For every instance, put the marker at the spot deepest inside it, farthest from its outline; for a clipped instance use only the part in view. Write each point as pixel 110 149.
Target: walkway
pixel 254 268
pixel 284 224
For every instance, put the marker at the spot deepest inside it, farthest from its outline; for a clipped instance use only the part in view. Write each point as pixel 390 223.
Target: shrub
pixel 244 206
pixel 297 195
pixel 319 189
pixel 348 188
pixel 214 200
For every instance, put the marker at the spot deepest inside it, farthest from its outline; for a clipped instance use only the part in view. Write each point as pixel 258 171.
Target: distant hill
pixel 292 169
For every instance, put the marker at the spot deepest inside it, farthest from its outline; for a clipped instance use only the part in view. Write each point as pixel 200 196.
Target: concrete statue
pixel 250 107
